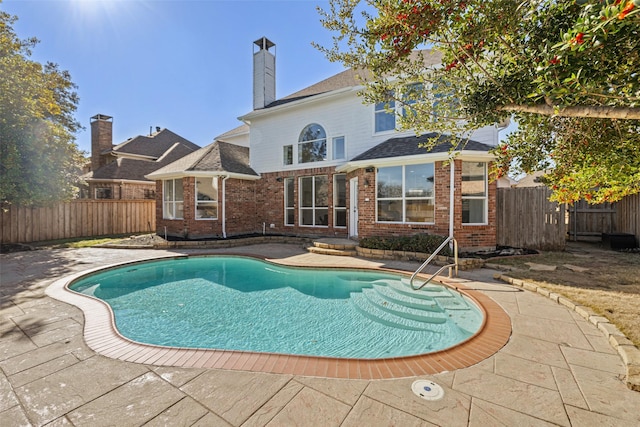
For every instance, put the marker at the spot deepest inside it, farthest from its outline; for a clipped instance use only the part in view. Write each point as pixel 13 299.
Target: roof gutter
pixel 414 159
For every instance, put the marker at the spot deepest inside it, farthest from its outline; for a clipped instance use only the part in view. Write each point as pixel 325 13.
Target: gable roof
pixel 142 155
pixel 349 78
pixel 412 146
pixel 218 158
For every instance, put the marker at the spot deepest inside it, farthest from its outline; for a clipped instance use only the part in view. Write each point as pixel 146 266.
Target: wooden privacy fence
pixel 525 218
pixel 628 215
pixel 587 221
pixel 77 218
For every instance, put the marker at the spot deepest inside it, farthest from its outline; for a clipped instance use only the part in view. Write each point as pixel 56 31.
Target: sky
pixel 182 65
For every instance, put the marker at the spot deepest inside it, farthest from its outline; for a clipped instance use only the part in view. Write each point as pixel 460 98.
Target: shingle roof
pixel 154 145
pixel 216 157
pixel 242 129
pixel 411 146
pixel 135 169
pixel 348 78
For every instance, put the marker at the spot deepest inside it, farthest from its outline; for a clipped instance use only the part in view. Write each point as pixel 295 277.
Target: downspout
pixel 452 180
pixel 224 206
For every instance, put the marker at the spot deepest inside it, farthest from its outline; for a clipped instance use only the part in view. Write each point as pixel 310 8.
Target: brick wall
pixel 270 204
pixel 468 236
pixel 252 205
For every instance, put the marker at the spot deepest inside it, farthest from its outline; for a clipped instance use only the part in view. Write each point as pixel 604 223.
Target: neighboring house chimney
pixel 101 139
pixel 264 74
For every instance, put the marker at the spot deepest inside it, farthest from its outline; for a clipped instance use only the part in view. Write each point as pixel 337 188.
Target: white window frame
pixel 403 198
pixel 289 205
pixel 484 198
pixel 397 108
pixel 336 207
pixel 169 205
pixel 334 141
pixel 300 143
pixel 313 208
pixel 285 154
pixel 207 203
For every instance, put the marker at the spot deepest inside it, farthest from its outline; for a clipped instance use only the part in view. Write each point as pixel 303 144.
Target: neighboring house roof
pixel 218 158
pixel 142 155
pixel 532 180
pixel 154 145
pixel 240 130
pixel 348 78
pixel 412 146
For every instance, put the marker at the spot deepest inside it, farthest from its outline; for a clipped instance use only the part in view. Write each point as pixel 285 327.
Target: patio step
pixel 337 247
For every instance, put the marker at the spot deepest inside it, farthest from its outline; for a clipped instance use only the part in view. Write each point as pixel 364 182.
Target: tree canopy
pixel 567 71
pixel 39 160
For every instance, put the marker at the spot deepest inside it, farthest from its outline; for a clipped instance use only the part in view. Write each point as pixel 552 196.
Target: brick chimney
pixel 264 74
pixel 101 139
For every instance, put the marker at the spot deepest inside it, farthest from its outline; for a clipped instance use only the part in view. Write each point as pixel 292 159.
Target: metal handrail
pixel 433 255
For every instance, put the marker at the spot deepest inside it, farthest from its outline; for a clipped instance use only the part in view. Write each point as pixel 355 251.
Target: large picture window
pixel 474 193
pixel 406 193
pixel 172 199
pixel 312 144
pixel 206 198
pixel 314 198
pixel 289 201
pixel 339 200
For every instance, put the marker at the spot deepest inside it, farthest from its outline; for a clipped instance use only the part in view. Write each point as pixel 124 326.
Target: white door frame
pixel 353 207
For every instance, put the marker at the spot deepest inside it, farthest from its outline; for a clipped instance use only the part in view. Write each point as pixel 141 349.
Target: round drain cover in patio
pixel 427 390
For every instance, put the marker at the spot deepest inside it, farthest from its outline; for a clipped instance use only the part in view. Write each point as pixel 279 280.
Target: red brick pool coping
pixel 102 337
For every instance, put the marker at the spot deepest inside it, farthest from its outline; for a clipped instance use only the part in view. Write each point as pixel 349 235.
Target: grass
pixel 606 281
pixel 81 242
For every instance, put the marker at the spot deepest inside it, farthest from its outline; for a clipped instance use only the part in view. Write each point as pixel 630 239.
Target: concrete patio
pixel 557 368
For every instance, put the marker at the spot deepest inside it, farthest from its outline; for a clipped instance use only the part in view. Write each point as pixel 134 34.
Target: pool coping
pixel 101 335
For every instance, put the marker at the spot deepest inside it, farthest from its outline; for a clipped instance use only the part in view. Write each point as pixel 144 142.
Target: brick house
pixel 319 162
pixel 118 171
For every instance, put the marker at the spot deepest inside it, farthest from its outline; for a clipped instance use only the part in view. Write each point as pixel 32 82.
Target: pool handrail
pixel 433 255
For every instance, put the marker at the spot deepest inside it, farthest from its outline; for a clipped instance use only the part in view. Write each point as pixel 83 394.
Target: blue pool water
pixel 240 303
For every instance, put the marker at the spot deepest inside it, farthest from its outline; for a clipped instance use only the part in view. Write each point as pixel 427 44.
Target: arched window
pixel 312 144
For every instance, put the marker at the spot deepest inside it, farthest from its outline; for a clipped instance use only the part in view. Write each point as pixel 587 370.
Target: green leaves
pixel 567 70
pixel 39 161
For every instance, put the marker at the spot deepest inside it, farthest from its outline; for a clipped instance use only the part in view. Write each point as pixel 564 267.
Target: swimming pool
pixel 245 304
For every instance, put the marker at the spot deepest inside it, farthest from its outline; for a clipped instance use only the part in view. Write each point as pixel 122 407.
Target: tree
pixel 39 160
pixel 567 71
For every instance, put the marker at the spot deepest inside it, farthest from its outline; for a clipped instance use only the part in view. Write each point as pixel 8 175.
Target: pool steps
pixel 393 303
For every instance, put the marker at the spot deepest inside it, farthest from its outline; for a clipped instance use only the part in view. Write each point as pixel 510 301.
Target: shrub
pixel 426 243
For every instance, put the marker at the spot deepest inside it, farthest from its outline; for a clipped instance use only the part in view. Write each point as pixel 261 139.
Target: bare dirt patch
pixel 607 281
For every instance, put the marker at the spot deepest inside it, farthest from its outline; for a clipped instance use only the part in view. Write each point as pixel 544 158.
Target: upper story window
pixel 287 155
pixel 386 113
pixel 207 198
pixel 312 144
pixel 338 148
pixel 406 193
pixel 385 116
pixel 474 193
pixel 172 199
